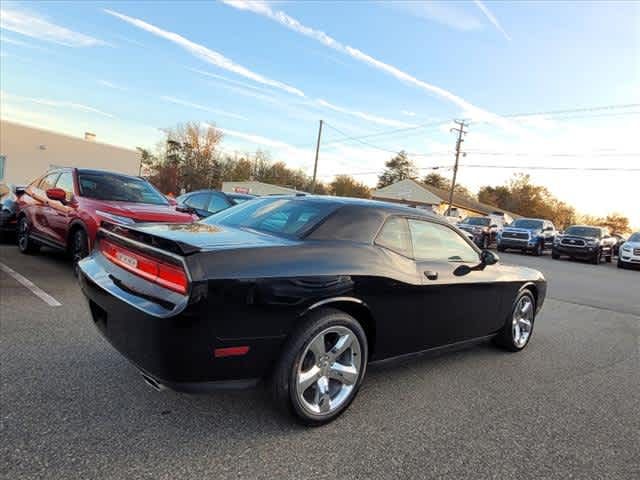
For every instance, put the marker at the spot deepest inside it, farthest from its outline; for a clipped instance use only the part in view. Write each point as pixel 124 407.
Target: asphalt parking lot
pixel 566 407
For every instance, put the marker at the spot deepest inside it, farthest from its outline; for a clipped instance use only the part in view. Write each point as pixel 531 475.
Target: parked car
pixel 304 291
pixel 584 242
pixel 64 208
pixel 9 209
pixel 527 235
pixel 207 202
pixel 484 229
pixel 630 252
pixel 620 239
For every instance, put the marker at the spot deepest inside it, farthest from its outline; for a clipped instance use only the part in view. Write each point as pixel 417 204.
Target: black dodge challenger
pixel 302 291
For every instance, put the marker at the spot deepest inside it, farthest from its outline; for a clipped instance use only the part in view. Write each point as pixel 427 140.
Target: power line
pixel 547 154
pixel 542 167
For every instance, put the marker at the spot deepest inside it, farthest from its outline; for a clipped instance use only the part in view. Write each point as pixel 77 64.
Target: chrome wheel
pixel 522 322
pixel 328 371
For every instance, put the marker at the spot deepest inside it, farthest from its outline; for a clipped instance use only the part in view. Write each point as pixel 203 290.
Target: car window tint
pixel 65 182
pixel 48 182
pixel 432 241
pixel 394 235
pixel 115 187
pixel 290 217
pixel 217 203
pixel 197 201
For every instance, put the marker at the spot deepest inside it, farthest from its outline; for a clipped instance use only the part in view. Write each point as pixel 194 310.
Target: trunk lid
pixel 189 238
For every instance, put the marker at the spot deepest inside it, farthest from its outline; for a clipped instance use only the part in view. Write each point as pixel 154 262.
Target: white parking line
pixel 37 291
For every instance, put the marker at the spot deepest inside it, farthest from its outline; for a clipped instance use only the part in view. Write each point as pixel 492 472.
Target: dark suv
pixel 528 235
pixel 584 242
pixel 483 229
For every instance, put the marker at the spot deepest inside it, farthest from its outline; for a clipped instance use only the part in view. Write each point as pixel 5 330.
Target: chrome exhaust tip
pixel 152 382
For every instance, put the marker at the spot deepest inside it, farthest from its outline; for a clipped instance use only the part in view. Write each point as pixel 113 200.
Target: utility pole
pixel 461 131
pixel 315 165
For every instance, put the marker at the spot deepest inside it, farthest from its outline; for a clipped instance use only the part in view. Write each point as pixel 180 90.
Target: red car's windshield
pixel 122 188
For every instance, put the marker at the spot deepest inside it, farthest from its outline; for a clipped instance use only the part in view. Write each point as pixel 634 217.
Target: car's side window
pixel 197 201
pixel 217 203
pixel 395 236
pixel 48 182
pixel 65 182
pixel 432 241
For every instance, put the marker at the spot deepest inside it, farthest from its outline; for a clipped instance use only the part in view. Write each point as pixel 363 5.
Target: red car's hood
pixel 143 212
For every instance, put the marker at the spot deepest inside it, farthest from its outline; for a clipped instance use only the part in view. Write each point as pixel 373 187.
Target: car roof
pixel 97 171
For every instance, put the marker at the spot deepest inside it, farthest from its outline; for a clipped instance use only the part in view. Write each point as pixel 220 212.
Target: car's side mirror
pixel 57 194
pixel 487 257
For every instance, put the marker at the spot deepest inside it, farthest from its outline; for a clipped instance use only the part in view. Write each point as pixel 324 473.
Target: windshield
pixel 484 221
pixel 121 188
pixel 289 217
pixel 584 231
pixel 527 223
pixel 634 238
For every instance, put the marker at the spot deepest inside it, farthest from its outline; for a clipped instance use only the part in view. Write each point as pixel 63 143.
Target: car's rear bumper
pixel 175 347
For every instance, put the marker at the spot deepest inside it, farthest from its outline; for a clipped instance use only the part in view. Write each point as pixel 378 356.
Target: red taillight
pixel 231 351
pixel 157 271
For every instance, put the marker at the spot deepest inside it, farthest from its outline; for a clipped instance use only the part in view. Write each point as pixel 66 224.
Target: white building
pixel 28 152
pixel 257 188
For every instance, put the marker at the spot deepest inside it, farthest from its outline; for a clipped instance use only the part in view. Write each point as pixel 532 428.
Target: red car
pixel 64 208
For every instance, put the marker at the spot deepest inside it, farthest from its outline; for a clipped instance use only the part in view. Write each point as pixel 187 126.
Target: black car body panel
pixel 252 288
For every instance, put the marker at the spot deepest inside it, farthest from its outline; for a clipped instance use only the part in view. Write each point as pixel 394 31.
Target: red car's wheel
pixel 25 243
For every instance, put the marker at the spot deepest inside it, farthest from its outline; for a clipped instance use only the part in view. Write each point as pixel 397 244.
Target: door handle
pixel 431 275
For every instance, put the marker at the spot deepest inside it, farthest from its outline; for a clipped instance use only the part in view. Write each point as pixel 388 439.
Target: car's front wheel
pixel 518 327
pixel 596 258
pixel 322 367
pixel 25 243
pixel 620 263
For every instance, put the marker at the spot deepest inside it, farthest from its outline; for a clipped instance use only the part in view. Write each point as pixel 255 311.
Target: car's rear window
pixel 290 217
pixel 121 188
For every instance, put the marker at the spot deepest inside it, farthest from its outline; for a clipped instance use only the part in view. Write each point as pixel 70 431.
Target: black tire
pixel 79 248
pixel 554 255
pixel 609 258
pixel 25 243
pixel 621 264
pixel 596 258
pixel 501 248
pixel 538 250
pixel 485 242
pixel 505 338
pixel 283 381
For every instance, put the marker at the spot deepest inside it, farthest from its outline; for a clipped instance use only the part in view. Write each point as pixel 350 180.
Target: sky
pixel 550 88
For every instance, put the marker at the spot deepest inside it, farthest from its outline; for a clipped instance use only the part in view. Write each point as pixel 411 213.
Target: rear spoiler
pixel 153 242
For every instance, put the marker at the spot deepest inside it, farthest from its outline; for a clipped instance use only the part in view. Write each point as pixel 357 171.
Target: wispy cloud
pixel 408 113
pixel 364 116
pixel 451 14
pixel 491 17
pixel 35 26
pixel 197 106
pixel 108 84
pixel 20 43
pixel 256 139
pixel 264 9
pixel 205 54
pixel 4 96
pixel 228 80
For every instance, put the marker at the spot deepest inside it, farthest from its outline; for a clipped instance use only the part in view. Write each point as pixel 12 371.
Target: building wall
pixel 29 152
pixel 256 188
